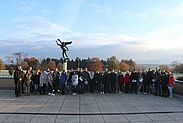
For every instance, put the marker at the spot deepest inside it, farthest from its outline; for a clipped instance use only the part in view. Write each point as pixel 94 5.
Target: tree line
pixel 93 64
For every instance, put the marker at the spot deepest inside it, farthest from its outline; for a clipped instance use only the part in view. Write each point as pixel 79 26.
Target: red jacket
pixel 171 81
pixel 127 78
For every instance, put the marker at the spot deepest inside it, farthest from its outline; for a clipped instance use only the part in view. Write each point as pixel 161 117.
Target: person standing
pixel 36 80
pixel 140 82
pixel 74 83
pixel 171 82
pixel 145 82
pixel 63 80
pixel 86 80
pixel 134 79
pixel 127 82
pixel 56 85
pixel 157 83
pixel 120 81
pixel 43 83
pixel 69 81
pixel 107 85
pixel 91 81
pixel 81 82
pixel 164 84
pixel 28 81
pixel 50 83
pixel 96 79
pixel 112 81
pixel 18 79
pixel 31 83
pixel 101 83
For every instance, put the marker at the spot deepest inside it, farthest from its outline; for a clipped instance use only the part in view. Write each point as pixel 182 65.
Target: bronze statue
pixel 63 46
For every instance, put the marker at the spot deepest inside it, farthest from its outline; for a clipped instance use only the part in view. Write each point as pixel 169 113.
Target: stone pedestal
pixel 65 66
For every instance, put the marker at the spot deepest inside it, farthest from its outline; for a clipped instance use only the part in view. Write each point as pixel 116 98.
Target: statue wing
pixel 66 43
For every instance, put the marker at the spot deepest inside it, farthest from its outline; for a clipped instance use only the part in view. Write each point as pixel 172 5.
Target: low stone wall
pixel 6 83
pixel 178 87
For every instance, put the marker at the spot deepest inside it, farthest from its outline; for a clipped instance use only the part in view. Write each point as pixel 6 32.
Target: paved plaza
pixel 90 108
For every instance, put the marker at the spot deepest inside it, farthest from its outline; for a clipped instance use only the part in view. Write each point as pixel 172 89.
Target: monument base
pixel 65 66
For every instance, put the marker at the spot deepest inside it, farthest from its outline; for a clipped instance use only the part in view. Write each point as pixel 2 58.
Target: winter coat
pixel 127 79
pixel 18 75
pixel 74 79
pixel 63 78
pixel 43 79
pixel 171 81
pixel 28 79
pixel 120 78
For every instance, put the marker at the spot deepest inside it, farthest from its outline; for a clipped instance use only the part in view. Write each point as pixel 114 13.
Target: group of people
pixel 82 81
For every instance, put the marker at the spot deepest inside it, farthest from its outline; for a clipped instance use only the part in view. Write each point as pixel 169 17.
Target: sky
pixel 148 31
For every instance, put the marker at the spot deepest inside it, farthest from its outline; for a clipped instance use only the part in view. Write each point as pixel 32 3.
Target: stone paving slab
pixel 68 119
pixel 18 118
pixel 92 119
pixel 86 108
pixel 115 119
pixel 43 119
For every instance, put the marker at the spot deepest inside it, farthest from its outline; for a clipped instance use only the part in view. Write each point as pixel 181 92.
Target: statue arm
pixel 58 43
pixel 59 40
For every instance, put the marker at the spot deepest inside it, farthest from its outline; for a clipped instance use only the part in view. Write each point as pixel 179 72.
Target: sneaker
pixel 102 92
pixel 49 94
pixel 74 94
pixel 145 93
pixel 52 94
pixel 119 92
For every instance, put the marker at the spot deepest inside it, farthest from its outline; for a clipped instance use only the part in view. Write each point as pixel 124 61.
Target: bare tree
pixel 19 57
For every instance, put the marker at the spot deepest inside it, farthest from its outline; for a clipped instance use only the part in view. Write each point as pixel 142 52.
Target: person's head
pixel 19 67
pixel 30 68
pixel 78 69
pixel 81 70
pixel 56 69
pixel 38 71
pixel 171 74
pixel 86 69
pixel 106 69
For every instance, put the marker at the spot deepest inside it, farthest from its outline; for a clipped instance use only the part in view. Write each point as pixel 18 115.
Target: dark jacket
pixel 18 74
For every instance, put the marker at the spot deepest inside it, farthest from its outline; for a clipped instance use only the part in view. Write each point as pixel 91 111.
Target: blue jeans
pixel 170 88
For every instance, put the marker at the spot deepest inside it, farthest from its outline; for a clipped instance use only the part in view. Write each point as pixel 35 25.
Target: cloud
pixel 176 11
pixel 102 9
pixel 24 7
pixel 142 15
pixel 36 36
pixel 34 28
pixel 164 38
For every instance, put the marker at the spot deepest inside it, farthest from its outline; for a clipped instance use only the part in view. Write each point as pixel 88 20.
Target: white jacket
pixel 74 79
